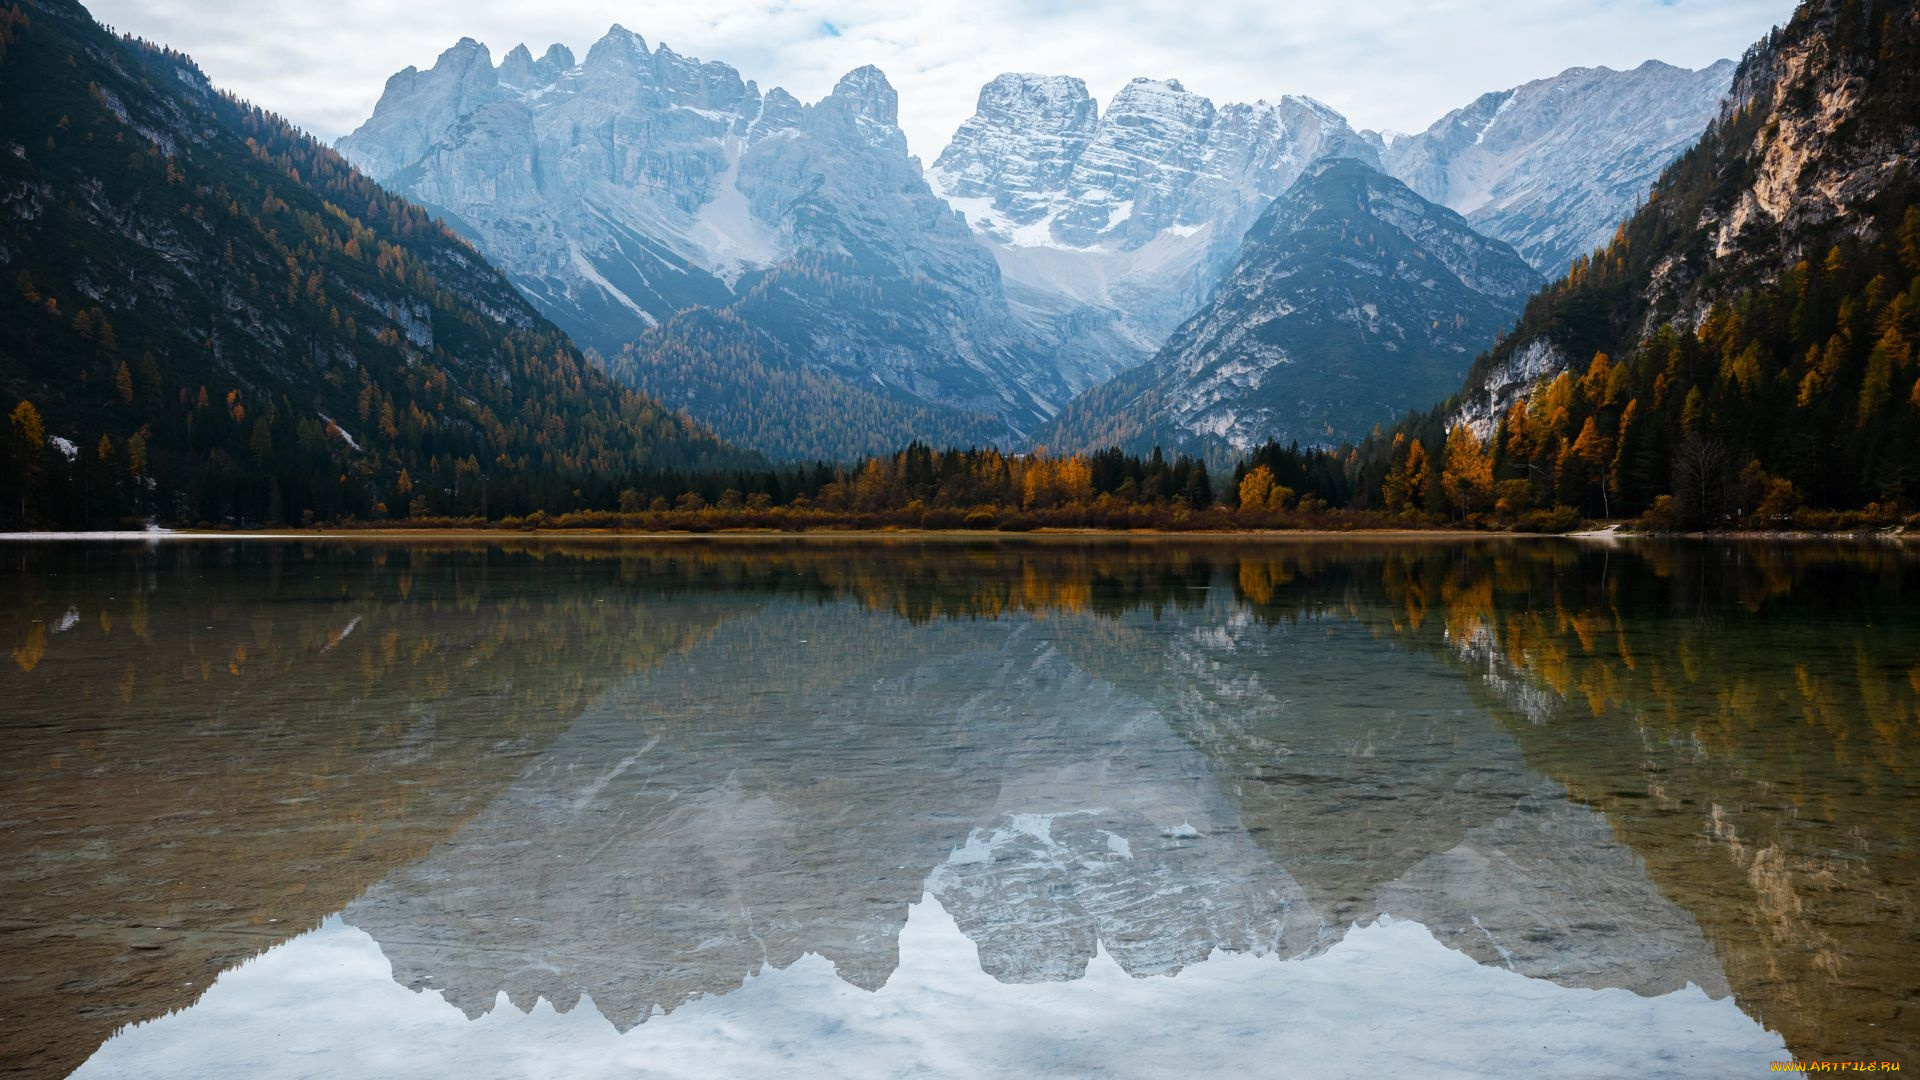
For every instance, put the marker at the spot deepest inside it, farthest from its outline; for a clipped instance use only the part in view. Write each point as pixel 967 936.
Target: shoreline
pixel 1610 535
pixel 762 535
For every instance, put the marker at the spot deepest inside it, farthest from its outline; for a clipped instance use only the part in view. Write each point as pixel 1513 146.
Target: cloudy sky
pixel 1396 64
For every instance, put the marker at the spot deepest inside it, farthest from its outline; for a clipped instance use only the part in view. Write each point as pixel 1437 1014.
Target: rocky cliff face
pixel 1114 227
pixel 1837 88
pixel 1553 166
pixel 1054 172
pixel 638 183
pixel 1352 301
pixel 586 182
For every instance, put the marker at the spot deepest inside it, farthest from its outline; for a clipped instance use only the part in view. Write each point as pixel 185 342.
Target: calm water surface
pixel 282 809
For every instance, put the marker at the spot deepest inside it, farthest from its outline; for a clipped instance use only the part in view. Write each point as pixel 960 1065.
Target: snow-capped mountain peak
pixel 866 93
pixel 1117 222
pixel 641 184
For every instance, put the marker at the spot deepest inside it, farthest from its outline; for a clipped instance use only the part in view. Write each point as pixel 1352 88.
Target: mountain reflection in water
pixel 1552 800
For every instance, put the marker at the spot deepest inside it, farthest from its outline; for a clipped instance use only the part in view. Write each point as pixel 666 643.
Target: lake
pixel 840 807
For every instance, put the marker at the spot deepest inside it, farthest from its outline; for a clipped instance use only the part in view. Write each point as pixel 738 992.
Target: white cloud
pixel 1384 63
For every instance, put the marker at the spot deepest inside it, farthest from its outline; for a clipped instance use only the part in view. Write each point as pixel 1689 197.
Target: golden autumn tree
pixel 29 435
pixel 1466 476
pixel 1583 465
pixel 1260 491
pixel 1393 488
pixel 1255 488
pixel 1409 481
pixel 1050 482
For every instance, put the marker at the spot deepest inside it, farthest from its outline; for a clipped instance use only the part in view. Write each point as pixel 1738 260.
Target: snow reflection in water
pixel 960 850
pixel 1129 811
pixel 1387 1000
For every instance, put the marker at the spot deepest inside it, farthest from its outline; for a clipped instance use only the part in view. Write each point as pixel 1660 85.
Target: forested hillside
pixel 1745 345
pixel 211 317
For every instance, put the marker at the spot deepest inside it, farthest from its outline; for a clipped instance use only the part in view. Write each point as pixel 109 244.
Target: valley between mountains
pixel 628 281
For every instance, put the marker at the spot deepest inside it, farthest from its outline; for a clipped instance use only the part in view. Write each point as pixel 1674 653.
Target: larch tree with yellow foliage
pixel 1466 478
pixel 27 438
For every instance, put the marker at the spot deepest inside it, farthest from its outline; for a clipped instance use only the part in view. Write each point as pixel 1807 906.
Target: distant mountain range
pixel 639 183
pixel 760 262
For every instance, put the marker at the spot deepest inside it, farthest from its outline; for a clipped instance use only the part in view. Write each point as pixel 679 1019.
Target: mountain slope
pixel 746 384
pixel 1757 316
pixel 1351 301
pixel 638 183
pixel 1553 165
pixel 216 318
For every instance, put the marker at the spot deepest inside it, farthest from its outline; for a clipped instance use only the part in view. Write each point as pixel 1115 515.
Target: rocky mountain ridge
pixel 1126 218
pixel 623 189
pixel 639 183
pixel 1554 165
